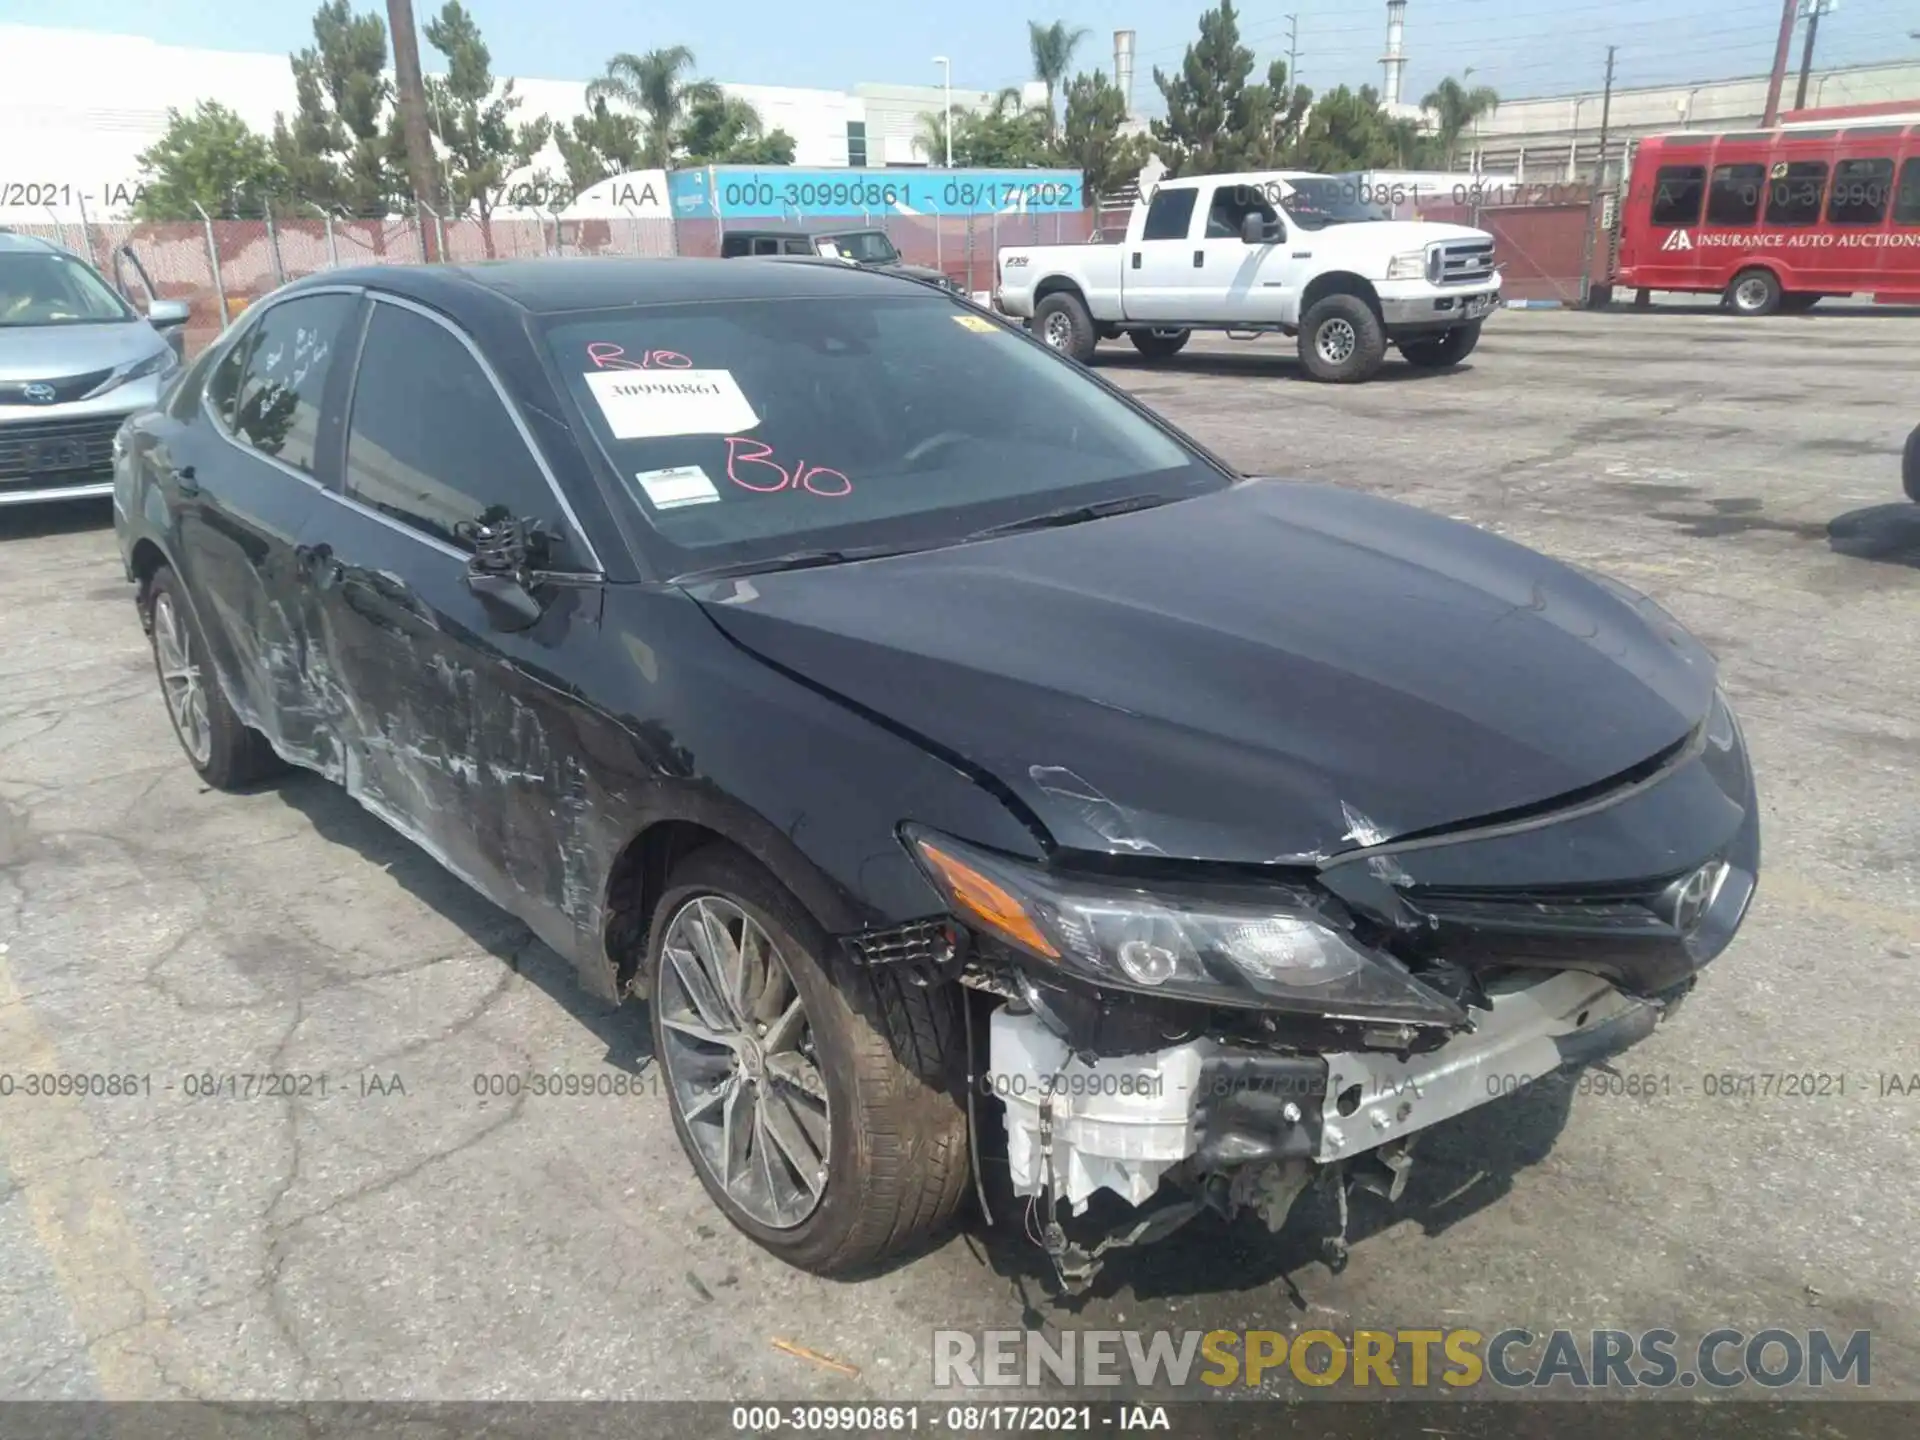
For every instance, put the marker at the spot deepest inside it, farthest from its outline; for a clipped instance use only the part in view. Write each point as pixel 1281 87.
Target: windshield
pixel 754 429
pixel 1318 202
pixel 867 247
pixel 45 288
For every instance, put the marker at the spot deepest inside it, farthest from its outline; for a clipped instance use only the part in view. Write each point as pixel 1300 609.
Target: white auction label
pixel 642 404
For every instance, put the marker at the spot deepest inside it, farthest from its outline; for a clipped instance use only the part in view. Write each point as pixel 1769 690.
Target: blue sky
pixel 1521 47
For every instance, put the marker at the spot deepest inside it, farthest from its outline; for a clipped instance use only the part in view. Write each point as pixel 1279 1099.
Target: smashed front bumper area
pixel 1234 1129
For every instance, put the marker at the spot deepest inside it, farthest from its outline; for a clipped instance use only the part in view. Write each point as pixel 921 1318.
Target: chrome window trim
pixel 597 566
pixel 239 330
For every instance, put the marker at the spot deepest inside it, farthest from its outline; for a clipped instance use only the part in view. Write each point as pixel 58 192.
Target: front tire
pixel 1159 344
pixel 1753 293
pixel 817 1100
pixel 1063 323
pixel 1436 352
pixel 221 748
pixel 1341 340
pixel 1910 467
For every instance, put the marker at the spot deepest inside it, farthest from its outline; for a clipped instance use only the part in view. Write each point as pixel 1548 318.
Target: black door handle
pixel 1136 259
pixel 188 482
pixel 1199 259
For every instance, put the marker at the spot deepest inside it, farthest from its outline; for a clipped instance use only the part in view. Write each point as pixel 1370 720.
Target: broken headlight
pixel 1256 946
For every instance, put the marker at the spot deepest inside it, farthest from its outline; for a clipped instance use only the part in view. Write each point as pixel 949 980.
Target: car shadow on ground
pixel 55 517
pixel 1887 533
pixel 1461 1166
pixel 1275 362
pixel 335 816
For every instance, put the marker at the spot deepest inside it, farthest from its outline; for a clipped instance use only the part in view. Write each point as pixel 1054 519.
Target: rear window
pixel 750 429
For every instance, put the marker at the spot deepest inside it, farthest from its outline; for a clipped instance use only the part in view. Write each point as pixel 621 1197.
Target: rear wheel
pixel 223 750
pixel 1159 344
pixel 1753 292
pixel 1435 352
pixel 1063 323
pixel 817 1100
pixel 1341 340
pixel 1910 467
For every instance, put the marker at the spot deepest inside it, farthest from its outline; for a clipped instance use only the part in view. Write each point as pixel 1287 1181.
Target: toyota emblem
pixel 39 393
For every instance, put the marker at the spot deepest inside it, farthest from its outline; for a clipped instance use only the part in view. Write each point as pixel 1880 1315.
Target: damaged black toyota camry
pixel 943 745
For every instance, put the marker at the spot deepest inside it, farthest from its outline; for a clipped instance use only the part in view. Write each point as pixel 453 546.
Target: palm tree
pixel 1455 108
pixel 651 85
pixel 1053 46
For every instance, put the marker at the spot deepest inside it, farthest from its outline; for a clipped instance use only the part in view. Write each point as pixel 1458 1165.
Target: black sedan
pixel 944 746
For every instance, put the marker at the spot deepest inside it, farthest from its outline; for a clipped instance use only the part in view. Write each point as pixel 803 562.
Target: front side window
pixel 1676 195
pixel 745 430
pixel 1861 189
pixel 1231 206
pixel 51 288
pixel 276 406
pixel 1733 198
pixel 865 247
pixel 1793 192
pixel 1170 215
pixel 765 245
pixel 430 442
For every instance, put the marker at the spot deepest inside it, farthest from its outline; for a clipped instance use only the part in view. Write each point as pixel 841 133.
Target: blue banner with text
pixel 751 193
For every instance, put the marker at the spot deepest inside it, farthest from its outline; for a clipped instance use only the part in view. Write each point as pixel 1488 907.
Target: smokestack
pixel 1395 60
pixel 1123 65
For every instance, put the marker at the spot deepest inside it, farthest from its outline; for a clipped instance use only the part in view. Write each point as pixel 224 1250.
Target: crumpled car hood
pixel 1274 672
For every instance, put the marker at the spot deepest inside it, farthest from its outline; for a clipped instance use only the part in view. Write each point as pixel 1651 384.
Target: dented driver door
pixel 456 707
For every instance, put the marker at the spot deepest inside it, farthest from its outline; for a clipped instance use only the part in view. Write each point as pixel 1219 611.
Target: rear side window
pixel 1906 200
pixel 1734 196
pixel 277 407
pixel 1676 194
pixel 1170 215
pixel 1861 189
pixel 430 442
pixel 766 245
pixel 223 384
pixel 1793 192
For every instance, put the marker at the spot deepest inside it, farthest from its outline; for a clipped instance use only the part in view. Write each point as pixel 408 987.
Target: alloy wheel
pixel 1059 331
pixel 740 1062
pixel 181 681
pixel 1336 341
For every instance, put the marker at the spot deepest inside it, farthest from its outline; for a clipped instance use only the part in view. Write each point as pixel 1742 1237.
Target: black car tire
pixel 1159 344
pixel 1450 347
pixel 237 755
pixel 1064 324
pixel 1910 467
pixel 889 1053
pixel 1753 292
pixel 1355 344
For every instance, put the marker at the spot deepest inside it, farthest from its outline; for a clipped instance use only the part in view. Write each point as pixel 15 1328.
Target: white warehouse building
pixel 78 107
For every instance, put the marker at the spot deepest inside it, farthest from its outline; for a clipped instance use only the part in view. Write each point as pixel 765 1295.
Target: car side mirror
pixel 1259 230
pixel 506 553
pixel 168 314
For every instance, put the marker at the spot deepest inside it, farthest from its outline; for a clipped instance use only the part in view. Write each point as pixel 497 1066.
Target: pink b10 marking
pixel 802 476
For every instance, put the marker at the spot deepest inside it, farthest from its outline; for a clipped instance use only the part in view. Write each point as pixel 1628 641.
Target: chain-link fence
pixel 219 267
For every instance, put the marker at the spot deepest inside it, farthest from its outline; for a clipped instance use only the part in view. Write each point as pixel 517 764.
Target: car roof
pixel 560 284
pixel 29 243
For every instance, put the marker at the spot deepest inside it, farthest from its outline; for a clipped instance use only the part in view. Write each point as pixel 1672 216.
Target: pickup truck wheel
pixel 1159 344
pixel 1910 467
pixel 1436 352
pixel 1062 323
pixel 1341 340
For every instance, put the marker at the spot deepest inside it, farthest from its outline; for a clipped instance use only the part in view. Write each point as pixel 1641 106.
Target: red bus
pixel 1776 219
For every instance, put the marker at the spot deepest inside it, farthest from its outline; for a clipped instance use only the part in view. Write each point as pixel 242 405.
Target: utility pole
pixel 410 96
pixel 1782 50
pixel 1293 55
pixel 1599 179
pixel 1815 9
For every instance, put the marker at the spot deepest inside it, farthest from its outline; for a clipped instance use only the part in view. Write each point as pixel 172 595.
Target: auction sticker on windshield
pixel 975 322
pixel 677 485
pixel 641 406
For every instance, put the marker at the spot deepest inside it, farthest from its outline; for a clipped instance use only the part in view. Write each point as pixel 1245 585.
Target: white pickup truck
pixel 1301 254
